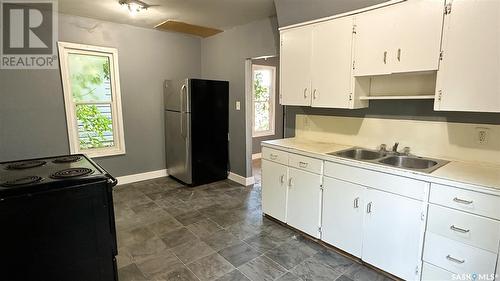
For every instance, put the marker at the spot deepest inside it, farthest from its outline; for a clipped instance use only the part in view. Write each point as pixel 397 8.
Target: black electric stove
pixel 57 220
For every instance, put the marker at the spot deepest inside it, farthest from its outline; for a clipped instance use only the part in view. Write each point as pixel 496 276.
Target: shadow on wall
pixel 393 109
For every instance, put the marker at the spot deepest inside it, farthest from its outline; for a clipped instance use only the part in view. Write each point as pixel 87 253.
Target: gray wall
pixel 393 109
pixel 223 57
pixel 297 11
pixel 32 117
pixel 278 108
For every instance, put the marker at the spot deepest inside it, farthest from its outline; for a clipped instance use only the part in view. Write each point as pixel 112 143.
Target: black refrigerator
pixel 196 130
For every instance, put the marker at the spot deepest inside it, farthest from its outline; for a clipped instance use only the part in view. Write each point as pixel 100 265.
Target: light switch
pixel 238 105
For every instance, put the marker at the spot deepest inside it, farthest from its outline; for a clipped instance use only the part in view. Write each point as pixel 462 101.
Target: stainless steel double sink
pixel 393 159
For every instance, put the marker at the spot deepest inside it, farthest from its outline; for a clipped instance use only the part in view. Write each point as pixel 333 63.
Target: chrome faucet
pixel 395 147
pixel 383 147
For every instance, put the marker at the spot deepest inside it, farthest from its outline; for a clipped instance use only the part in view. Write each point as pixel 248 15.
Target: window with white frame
pixel 263 93
pixel 91 86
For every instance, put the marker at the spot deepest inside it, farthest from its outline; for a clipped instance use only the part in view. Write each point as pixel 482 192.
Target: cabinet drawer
pixel 275 155
pixel 465 200
pixel 457 257
pixel 433 273
pixel 395 184
pixel 305 163
pixel 470 229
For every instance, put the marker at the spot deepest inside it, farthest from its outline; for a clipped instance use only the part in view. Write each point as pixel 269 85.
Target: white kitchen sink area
pixel 393 159
pixel 414 218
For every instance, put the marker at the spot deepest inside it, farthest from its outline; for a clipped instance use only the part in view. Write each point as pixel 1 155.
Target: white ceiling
pixel 221 14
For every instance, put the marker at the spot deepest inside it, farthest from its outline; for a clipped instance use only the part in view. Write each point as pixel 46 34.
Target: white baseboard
pixel 256 156
pixel 142 176
pixel 241 180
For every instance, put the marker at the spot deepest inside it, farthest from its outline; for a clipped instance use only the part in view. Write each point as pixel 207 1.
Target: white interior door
pixel 392 233
pixel 303 206
pixel 296 66
pixel 332 63
pixel 274 188
pixel 417 35
pixel 469 74
pixel 374 40
pixel 342 219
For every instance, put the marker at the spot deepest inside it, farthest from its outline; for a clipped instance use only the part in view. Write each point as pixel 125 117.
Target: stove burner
pixel 68 159
pixel 25 165
pixel 22 181
pixel 71 173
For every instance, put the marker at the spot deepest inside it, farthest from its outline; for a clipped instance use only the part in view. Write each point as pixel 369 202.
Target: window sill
pixel 263 134
pixel 101 154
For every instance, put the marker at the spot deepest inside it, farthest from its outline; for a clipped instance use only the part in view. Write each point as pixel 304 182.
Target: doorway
pixel 266 113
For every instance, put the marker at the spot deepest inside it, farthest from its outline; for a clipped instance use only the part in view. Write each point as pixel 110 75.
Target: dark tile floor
pixel 167 231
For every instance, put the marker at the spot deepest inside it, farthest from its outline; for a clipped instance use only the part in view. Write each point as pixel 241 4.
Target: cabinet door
pixel 304 197
pixel 332 63
pixel 274 189
pixel 296 66
pixel 342 219
pixel 417 35
pixel 392 234
pixel 468 75
pixel 373 41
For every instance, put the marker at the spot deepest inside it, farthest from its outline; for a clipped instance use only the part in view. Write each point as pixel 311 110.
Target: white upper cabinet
pixel 295 70
pixel 373 41
pixel 469 74
pixel 316 65
pixel 332 63
pixel 404 37
pixel 417 40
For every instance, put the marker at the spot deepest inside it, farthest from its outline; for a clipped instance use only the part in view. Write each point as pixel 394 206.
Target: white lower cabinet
pixel 381 228
pixel 458 257
pixel 304 198
pixel 274 178
pixel 383 218
pixel 342 222
pixel 392 233
pixel 434 273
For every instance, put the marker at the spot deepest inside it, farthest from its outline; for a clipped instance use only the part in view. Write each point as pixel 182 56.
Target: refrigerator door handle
pixel 183 89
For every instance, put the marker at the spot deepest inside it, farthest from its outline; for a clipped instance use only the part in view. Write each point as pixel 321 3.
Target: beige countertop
pixel 485 177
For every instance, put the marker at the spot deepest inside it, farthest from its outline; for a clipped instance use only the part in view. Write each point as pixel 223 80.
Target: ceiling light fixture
pixel 134 6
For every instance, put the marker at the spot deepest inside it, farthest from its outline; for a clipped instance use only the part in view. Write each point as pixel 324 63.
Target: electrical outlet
pixel 482 135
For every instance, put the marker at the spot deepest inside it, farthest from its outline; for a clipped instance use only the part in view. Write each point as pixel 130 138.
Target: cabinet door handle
pixel 462 201
pixel 369 208
pixel 290 182
pixel 356 203
pixel 305 93
pixel 314 94
pixel 450 258
pixel 458 229
pixel 282 179
pixel 303 164
pixel 399 54
pixel 273 156
pixel 385 57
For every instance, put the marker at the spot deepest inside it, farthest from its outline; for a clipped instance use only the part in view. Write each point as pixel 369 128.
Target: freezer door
pixel 177 96
pixel 178 145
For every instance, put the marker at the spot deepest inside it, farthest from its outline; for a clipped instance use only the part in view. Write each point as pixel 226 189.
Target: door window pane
pixel 89 78
pixel 263 100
